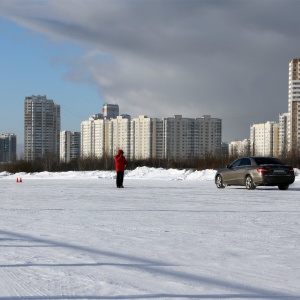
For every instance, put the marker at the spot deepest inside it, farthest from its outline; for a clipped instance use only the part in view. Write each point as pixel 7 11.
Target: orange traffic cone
pixel 21 179
pixel 17 179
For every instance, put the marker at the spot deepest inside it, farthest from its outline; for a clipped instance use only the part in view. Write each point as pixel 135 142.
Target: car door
pixel 230 176
pixel 241 171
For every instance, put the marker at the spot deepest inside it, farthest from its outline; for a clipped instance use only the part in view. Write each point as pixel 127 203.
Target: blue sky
pixel 228 59
pixel 30 66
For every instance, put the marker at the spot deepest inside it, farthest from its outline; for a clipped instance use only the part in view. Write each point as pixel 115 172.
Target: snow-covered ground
pixel 169 234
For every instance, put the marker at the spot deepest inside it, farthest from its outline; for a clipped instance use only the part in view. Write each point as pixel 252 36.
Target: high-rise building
pixel 93 135
pixel 293 138
pixel 8 147
pixel 110 110
pixel 192 137
pixel 144 137
pixel 176 137
pixel 283 133
pixel 41 127
pixel 69 145
pixel 264 139
pixel 208 136
pixel 158 138
pixel 87 138
pixel 141 141
pixel 180 137
pixel 119 135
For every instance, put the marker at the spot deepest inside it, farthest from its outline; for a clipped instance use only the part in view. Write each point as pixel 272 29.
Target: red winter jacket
pixel 120 161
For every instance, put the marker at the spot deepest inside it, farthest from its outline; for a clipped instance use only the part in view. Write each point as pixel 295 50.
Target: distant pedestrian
pixel 120 162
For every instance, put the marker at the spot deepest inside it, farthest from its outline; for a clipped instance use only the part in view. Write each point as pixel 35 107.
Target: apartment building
pixel 144 137
pixel 159 149
pixel 208 133
pixel 41 127
pixel 99 137
pixel 119 135
pixel 8 147
pixel 283 133
pixel 293 105
pixel 141 138
pixel 264 139
pixel 69 145
pixel 93 136
pixel 86 138
pixel 179 136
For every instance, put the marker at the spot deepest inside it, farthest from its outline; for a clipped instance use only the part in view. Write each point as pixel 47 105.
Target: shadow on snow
pixel 242 291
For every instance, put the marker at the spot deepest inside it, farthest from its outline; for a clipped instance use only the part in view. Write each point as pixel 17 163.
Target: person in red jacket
pixel 120 162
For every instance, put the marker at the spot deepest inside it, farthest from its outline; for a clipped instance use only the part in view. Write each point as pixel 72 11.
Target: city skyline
pixel 146 137
pixel 158 58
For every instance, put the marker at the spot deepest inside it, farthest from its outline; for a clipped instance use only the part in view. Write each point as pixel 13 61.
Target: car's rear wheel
pixel 283 187
pixel 219 182
pixel 249 183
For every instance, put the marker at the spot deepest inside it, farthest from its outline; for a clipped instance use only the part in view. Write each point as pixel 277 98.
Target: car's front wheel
pixel 249 183
pixel 283 187
pixel 219 182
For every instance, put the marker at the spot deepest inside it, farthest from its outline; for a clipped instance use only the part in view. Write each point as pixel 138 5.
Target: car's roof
pixel 258 157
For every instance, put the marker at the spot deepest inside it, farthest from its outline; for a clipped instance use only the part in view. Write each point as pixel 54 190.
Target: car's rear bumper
pixel 275 180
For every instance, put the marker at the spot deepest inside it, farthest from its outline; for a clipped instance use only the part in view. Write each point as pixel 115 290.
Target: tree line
pixel 51 163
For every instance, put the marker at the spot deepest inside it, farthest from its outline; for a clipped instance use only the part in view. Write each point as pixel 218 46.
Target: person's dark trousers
pixel 120 177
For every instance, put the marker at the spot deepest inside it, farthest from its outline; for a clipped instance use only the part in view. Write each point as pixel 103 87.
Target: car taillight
pixel 291 171
pixel 263 170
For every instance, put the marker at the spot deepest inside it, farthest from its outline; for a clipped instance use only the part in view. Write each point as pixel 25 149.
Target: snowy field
pixel 169 234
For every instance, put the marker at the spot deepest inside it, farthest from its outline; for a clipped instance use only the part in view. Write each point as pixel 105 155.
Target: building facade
pixel 180 137
pixel 264 139
pixel 93 136
pixel 41 127
pixel 141 138
pixel 119 135
pixel 8 147
pixel 283 133
pixel 69 145
pixel 209 132
pixel 293 137
pixel 144 137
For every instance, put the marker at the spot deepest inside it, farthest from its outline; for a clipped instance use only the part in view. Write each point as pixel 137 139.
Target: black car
pixel 255 171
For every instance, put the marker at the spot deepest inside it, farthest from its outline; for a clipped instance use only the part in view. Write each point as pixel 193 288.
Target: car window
pixel 268 161
pixel 236 163
pixel 245 162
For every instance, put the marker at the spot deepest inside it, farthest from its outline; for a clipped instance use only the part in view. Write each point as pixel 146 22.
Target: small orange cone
pixel 21 179
pixel 17 179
